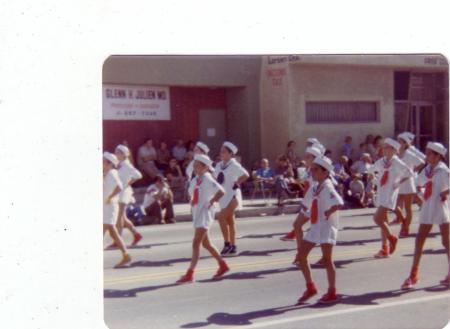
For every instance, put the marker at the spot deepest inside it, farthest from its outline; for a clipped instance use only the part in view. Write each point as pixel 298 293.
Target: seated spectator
pixel 369 197
pixel 363 165
pixel 347 148
pixel 285 183
pixel 159 197
pixel 356 192
pixel 363 148
pixel 179 151
pixel 174 174
pixel 376 148
pixel 342 174
pixel 187 160
pixel 163 156
pixel 146 159
pixel 265 174
pixel 290 153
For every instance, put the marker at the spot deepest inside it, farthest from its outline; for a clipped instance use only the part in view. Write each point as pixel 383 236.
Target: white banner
pixel 130 102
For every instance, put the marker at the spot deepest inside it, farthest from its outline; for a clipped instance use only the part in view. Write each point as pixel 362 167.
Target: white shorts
pixel 110 213
pixel 126 196
pixel 322 232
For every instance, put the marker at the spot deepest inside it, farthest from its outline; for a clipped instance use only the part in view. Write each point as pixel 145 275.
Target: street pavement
pixel 262 288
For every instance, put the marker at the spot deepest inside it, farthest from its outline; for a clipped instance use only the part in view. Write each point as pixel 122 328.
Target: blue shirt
pixel 265 173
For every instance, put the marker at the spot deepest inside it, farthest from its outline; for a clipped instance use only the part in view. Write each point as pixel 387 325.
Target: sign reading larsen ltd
pixel 130 102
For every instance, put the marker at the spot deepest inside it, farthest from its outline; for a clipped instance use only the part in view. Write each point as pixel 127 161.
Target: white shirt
pixel 361 167
pixel 231 171
pixel 417 152
pixel 412 161
pixel 149 195
pixel 127 173
pixel 433 210
pixel 110 181
pixel 387 194
pixel 179 152
pixel 190 170
pixel 144 152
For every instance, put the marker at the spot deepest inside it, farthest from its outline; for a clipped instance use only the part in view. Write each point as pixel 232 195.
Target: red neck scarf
pixel 195 196
pixel 384 179
pixel 315 206
pixel 429 185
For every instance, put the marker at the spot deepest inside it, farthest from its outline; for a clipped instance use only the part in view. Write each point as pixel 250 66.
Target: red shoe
pixel 112 246
pixel 223 268
pixel 329 297
pixel 311 290
pixel 382 254
pixel 392 243
pixel 404 232
pixel 187 278
pixel 289 236
pixel 410 282
pixel 136 239
pixel 396 221
pixel 446 281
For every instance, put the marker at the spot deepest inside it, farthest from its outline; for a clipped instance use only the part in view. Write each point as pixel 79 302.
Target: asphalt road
pixel 262 288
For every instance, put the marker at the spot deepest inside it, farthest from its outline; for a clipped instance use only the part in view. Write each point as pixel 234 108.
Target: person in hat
pixel 435 208
pixel 296 233
pixel 128 175
pixel 112 186
pixel 324 218
pixel 204 192
pixel 391 173
pixel 200 148
pixel 230 174
pixel 407 189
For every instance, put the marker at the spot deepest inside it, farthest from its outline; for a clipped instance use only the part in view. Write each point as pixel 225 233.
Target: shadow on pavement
pixel 251 275
pixel 116 293
pixel 359 228
pixel 263 252
pixel 261 236
pixel 240 319
pixel 147 246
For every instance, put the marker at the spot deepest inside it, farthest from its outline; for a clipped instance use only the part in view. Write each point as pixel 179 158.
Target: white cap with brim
pixel 437 147
pixel 203 158
pixel 393 143
pixel 125 150
pixel 313 140
pixel 111 158
pixel 233 148
pixel 203 147
pixel 320 147
pixel 410 135
pixel 406 137
pixel 325 163
pixel 314 151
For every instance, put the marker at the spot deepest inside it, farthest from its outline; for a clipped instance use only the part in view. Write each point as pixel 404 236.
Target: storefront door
pixel 212 129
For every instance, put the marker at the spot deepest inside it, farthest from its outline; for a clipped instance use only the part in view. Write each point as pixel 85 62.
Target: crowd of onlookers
pixel 285 179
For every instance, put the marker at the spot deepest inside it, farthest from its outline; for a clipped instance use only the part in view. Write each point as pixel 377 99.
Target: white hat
pixel 231 146
pixel 437 147
pixel 203 158
pixel 410 135
pixel 203 147
pixel 125 150
pixel 313 150
pixel 313 140
pixel 365 155
pixel 324 162
pixel 406 137
pixel 320 147
pixel 392 142
pixel 111 158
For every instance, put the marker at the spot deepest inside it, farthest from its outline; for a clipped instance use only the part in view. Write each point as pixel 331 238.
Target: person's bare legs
pixel 422 234
pixel 327 250
pixel 196 243
pixel 305 249
pixel 381 219
pixel 223 222
pixel 116 238
pixel 231 221
pixel 445 242
pixel 298 229
pixel 211 248
pixel 398 209
pixel 407 204
pixel 124 221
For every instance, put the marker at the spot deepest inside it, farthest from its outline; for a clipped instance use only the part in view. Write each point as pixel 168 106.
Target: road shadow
pixel 127 293
pixel 263 252
pixel 359 228
pixel 241 319
pixel 342 263
pixel 251 275
pixel 147 246
pixel 357 242
pixel 428 252
pixel 160 263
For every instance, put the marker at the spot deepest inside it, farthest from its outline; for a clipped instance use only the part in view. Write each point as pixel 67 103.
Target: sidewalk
pixel 251 208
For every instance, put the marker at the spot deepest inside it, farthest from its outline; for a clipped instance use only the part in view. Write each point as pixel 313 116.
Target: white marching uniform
pixel 231 171
pixel 127 173
pixel 397 170
pixel 190 170
pixel 412 161
pixel 324 230
pixel 309 196
pixel 203 217
pixel 111 210
pixel 417 152
pixel 434 210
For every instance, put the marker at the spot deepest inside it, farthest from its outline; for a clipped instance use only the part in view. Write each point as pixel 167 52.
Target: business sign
pixel 130 102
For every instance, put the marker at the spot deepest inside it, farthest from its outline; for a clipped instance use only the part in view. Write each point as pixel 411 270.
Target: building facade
pixel 262 102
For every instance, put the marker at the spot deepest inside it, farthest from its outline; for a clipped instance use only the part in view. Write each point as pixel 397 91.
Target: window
pixel 341 112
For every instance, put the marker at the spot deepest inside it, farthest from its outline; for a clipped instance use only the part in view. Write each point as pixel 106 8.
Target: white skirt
pixel 322 232
pixel 203 217
pixel 407 187
pixel 110 213
pixel 434 212
pixel 126 196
